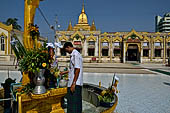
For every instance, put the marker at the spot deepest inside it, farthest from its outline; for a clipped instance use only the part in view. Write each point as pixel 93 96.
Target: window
pixel 168 52
pixel 146 53
pixel 116 52
pixel 168 43
pixel 63 53
pixel 91 52
pixel 2 43
pixel 116 44
pixel 105 44
pixel 157 44
pixel 145 44
pixel 77 42
pixel 105 52
pixel 91 42
pixel 157 52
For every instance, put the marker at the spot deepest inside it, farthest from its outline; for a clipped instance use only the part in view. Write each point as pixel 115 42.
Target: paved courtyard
pixel 139 93
pixel 147 92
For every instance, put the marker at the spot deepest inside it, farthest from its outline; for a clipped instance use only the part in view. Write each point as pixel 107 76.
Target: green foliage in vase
pixel 108 95
pixel 24 89
pixel 17 47
pixel 34 60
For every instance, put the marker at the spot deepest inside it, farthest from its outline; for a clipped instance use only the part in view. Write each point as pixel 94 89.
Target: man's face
pixel 68 49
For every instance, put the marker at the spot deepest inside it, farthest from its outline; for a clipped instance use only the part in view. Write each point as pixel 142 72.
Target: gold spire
pixel 83 8
pixel 93 27
pixel 82 21
pixel 69 27
pixel 83 16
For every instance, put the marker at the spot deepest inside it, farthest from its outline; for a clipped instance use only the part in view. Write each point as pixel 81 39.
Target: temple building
pixel 6 35
pixel 5 38
pixel 96 46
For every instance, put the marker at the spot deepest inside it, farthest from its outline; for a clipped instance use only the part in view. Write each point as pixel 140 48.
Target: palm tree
pixel 14 23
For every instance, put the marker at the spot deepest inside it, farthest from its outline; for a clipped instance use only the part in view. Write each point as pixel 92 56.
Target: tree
pixel 14 23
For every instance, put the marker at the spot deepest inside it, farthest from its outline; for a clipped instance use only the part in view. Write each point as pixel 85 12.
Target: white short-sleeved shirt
pixel 76 61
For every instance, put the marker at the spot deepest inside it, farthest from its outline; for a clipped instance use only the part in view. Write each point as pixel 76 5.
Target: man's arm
pixel 76 75
pixel 64 72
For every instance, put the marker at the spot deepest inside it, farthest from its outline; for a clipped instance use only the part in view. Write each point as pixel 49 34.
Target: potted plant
pixel 34 60
pixel 107 97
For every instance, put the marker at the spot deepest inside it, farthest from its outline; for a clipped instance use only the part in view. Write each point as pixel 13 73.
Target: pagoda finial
pixel 83 11
pixel 69 26
pixel 93 22
pixel 93 27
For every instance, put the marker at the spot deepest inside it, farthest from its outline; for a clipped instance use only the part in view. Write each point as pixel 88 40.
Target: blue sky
pixel 109 15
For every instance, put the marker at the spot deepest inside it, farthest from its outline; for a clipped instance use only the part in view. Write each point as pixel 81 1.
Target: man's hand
pixel 63 72
pixel 73 88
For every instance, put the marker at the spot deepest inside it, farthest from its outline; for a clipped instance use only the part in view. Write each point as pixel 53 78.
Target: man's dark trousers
pixel 74 100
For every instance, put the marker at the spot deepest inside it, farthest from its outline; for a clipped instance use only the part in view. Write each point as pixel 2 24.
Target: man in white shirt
pixel 75 76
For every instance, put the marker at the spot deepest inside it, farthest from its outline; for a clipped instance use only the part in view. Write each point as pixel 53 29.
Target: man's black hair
pixel 67 44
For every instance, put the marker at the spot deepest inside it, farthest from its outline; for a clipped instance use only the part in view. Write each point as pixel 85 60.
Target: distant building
pixel 5 38
pixel 6 32
pixel 113 46
pixel 162 23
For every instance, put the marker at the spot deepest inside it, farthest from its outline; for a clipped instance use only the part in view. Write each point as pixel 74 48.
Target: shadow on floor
pixel 166 83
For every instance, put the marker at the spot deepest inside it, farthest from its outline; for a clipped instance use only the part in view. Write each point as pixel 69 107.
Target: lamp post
pixel 55 28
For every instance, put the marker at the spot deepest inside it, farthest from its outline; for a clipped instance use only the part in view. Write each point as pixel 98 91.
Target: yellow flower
pixel 56 74
pixel 52 70
pixel 44 65
pixel 103 92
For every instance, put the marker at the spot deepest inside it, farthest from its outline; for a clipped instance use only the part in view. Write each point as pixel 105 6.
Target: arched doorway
pixel 132 53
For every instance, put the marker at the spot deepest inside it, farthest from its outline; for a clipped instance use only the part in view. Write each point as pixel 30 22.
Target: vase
pixel 39 81
pixel 63 83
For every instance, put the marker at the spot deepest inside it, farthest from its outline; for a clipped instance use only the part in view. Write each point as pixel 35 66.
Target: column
pixel 111 50
pixel 8 43
pixel 141 52
pixel 58 52
pixel 99 50
pixel 96 47
pixel 151 44
pixel 164 49
pixel 85 48
pixel 124 52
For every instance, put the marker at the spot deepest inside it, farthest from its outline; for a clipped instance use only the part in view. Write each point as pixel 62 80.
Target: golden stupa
pixel 82 22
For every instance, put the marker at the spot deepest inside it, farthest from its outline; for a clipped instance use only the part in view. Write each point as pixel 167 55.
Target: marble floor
pixel 139 93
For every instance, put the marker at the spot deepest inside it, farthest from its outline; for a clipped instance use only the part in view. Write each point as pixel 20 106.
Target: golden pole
pixel 29 13
pixel 19 103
